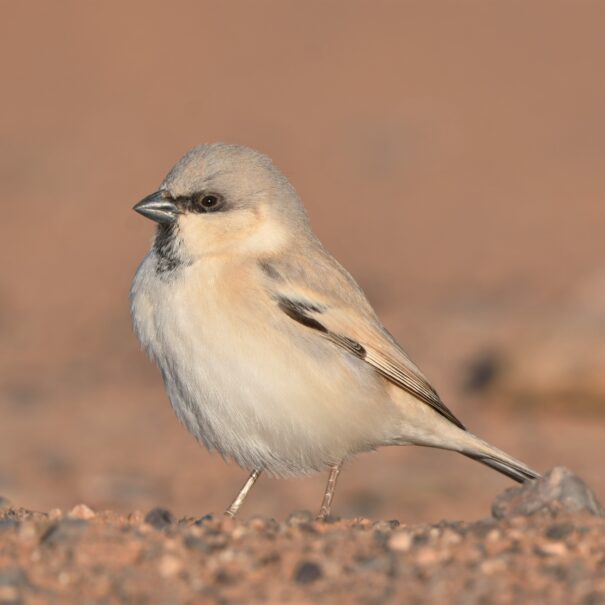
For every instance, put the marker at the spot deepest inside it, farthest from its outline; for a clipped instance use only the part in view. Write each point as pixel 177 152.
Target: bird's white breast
pixel 242 378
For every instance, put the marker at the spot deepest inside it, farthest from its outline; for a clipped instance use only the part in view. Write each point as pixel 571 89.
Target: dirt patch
pixel 552 556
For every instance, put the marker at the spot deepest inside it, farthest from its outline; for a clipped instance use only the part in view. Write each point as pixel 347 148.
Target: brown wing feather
pixel 407 379
pixel 393 365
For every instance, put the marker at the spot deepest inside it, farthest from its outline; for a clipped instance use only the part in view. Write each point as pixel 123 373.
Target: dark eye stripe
pixel 202 202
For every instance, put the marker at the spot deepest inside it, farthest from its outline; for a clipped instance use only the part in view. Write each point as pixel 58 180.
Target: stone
pixel 307 572
pixel 169 566
pixel 160 518
pixel 400 541
pixel 66 531
pixel 559 490
pixel 558 531
pixel 300 517
pixel 81 511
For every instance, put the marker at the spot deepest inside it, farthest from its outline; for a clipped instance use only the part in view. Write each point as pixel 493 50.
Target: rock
pixel 55 514
pixel 169 566
pixel 559 490
pixel 13 576
pixel 300 517
pixel 8 523
pixel 81 511
pixel 594 598
pixel 307 572
pixel 558 531
pixel 9 595
pixel 160 518
pixel 197 543
pixel 553 549
pixel 304 520
pixel 400 541
pixel 383 531
pixel 66 531
pixel 386 526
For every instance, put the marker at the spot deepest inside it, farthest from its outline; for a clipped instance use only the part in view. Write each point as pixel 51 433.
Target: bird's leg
pixel 241 496
pixel 326 504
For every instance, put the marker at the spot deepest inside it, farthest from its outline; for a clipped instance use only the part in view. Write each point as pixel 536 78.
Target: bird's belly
pixel 260 397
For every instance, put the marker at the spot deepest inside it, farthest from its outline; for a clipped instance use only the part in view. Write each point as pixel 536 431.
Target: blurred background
pixel 451 155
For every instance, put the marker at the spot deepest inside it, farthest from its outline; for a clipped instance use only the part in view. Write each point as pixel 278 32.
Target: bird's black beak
pixel 158 207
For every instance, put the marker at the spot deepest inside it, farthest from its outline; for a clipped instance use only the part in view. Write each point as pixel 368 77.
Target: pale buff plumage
pixel 269 350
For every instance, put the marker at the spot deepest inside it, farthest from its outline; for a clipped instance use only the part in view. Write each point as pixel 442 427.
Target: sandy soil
pixel 551 556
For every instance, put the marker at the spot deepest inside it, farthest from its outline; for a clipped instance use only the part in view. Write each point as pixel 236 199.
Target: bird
pixel 270 353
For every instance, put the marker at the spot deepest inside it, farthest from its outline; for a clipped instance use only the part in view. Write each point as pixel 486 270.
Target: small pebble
pixel 449 537
pixel 136 517
pixel 386 525
pixel 65 531
pixel 400 541
pixel 594 598
pixel 429 556
pixel 558 531
pixel 307 572
pixel 555 549
pixel 257 523
pixel 9 595
pixel 169 566
pixel 81 511
pixel 8 523
pixel 300 517
pixel 492 566
pixel 160 518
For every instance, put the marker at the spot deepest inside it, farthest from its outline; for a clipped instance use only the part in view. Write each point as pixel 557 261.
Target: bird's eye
pixel 209 201
pixel 206 202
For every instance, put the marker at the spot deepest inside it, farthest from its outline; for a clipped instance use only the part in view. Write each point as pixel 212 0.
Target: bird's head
pixel 223 199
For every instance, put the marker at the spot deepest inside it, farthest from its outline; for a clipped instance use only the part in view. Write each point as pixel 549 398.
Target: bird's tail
pixel 500 461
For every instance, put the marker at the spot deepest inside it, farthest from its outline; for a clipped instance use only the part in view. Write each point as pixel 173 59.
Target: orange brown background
pixel 451 155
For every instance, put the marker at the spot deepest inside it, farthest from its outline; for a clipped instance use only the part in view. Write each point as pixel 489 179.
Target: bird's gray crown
pixel 243 175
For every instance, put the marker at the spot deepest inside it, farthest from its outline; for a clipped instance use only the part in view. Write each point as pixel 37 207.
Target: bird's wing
pixel 357 331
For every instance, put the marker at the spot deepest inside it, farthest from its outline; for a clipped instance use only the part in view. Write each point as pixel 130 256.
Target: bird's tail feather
pixel 511 468
pixel 487 454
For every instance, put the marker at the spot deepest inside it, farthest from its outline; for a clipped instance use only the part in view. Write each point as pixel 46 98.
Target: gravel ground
pixel 543 544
